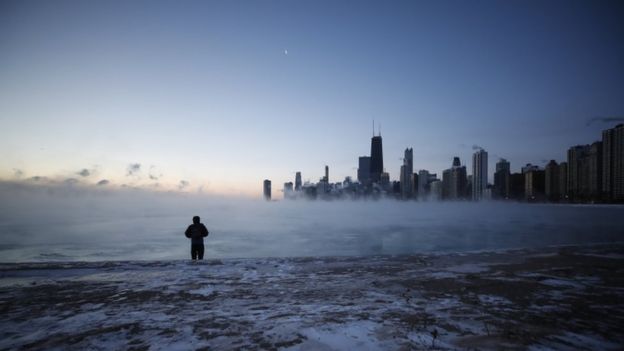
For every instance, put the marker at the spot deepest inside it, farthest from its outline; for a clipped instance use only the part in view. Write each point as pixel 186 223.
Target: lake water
pixel 54 225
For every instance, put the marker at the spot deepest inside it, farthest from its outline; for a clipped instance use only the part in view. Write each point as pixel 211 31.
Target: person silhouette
pixel 196 232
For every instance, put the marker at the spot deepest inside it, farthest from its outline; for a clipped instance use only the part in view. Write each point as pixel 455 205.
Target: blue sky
pixel 205 92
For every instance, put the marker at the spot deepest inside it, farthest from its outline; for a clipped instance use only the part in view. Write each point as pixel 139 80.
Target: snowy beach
pixel 560 297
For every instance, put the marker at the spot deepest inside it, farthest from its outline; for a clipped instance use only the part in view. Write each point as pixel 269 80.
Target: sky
pixel 216 96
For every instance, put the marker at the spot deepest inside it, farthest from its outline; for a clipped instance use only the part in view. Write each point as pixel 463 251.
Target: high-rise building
pixel 502 179
pixel 267 189
pixel 479 174
pixel 415 184
pixel 385 181
pixel 298 181
pixel 578 171
pixel 534 184
pixel 613 163
pixel 376 160
pixel 551 181
pixel 454 181
pixel 407 169
pixel 563 181
pixel 423 183
pixel 594 160
pixel 288 190
pixel 326 174
pixel 364 168
pixel 435 187
pixel 516 186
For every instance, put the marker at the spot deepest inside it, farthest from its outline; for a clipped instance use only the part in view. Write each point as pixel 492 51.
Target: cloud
pixel 71 181
pixel 608 119
pixel 103 182
pixel 38 179
pixel 133 168
pixel 18 173
pixel 154 174
pixel 183 184
pixel 84 172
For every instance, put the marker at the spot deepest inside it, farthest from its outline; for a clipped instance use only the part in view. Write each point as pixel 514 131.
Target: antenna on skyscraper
pixel 379 129
pixel 373 127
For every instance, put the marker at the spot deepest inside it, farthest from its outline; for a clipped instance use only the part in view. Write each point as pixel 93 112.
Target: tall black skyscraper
pixel 376 165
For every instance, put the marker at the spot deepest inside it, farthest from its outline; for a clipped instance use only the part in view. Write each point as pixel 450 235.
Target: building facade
pixel 267 189
pixel 578 168
pixel 376 159
pixel 551 181
pixel 407 169
pixel 502 179
pixel 613 163
pixel 479 174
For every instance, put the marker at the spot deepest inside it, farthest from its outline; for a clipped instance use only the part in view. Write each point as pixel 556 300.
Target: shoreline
pixel 551 297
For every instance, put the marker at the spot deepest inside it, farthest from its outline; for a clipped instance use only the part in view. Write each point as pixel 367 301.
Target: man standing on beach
pixel 196 232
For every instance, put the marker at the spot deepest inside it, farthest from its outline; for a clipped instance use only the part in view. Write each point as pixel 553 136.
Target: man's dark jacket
pixel 197 232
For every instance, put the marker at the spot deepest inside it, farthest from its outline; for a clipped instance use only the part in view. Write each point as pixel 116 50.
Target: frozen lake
pixel 54 225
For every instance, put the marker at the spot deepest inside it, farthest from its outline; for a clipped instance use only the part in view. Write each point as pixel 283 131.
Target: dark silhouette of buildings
pixel 533 183
pixel 502 179
pixel 594 171
pixel 613 163
pixel 578 172
pixel 376 159
pixel 551 181
pixel 267 189
pixel 591 173
pixel 516 186
pixel 563 181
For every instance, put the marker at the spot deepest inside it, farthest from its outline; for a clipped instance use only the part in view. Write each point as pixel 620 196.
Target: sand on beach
pixel 559 297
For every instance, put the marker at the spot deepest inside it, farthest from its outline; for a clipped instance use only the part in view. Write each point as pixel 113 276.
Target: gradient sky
pixel 224 94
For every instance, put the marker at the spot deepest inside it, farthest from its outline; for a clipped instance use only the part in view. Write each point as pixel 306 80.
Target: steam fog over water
pixel 68 224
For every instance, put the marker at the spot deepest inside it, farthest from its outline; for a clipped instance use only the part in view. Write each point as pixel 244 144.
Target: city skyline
pixel 219 96
pixel 590 174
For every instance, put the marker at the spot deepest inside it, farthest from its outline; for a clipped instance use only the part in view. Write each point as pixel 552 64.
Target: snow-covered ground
pixel 562 298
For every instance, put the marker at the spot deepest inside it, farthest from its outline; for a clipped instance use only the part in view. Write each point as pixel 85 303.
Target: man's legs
pixel 200 251
pixel 194 251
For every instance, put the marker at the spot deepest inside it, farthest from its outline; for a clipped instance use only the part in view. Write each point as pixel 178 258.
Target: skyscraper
pixel 533 183
pixel 577 167
pixel 407 169
pixel 479 174
pixel 267 189
pixel 288 190
pixel 376 159
pixel 613 163
pixel 454 181
pixel 423 184
pixel 364 168
pixel 563 181
pixel 502 179
pixel 594 160
pixel 326 174
pixel 551 182
pixel 298 181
